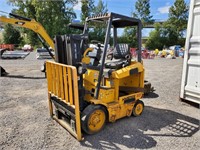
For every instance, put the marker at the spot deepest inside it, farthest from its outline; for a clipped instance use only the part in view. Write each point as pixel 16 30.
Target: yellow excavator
pixel 31 24
pixel 86 88
pixel 28 23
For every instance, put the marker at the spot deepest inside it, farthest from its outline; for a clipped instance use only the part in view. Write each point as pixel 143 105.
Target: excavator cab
pixel 85 88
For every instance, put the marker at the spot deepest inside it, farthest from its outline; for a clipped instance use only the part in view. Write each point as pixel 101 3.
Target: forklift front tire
pixel 93 118
pixel 138 108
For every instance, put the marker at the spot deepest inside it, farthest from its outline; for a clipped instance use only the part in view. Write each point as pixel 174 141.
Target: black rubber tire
pixel 86 115
pixel 134 108
pixel 147 87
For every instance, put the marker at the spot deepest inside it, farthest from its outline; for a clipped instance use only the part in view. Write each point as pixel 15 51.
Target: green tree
pixel 101 8
pixel 172 31
pixel 53 15
pixel 25 8
pixel 87 9
pixel 98 33
pixel 11 35
pixel 156 38
pixel 129 36
pixel 176 24
pixel 142 11
pixel 178 16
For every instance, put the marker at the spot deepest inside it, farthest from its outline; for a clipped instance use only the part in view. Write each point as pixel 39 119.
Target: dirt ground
pixel 166 123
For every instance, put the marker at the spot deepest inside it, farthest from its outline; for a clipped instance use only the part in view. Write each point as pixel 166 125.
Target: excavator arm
pixel 32 25
pixel 29 24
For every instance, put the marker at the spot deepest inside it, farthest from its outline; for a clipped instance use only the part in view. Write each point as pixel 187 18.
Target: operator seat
pixel 121 55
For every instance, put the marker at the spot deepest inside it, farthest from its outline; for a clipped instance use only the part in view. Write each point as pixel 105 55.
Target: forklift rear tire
pixel 93 118
pixel 138 108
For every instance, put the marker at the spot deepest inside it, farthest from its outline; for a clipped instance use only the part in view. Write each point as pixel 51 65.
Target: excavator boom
pixel 29 24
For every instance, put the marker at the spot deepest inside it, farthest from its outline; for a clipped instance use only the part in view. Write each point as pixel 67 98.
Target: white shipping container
pixel 190 85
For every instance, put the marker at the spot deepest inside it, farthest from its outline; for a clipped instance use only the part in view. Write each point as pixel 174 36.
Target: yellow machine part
pixel 85 58
pixel 125 72
pixel 33 25
pixel 118 106
pixel 106 95
pixel 139 108
pixel 96 120
pixel 110 87
pixel 63 84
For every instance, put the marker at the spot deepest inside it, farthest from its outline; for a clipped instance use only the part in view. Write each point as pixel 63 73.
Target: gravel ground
pixel 166 123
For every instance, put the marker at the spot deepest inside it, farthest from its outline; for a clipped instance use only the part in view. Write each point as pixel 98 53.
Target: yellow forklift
pixel 86 88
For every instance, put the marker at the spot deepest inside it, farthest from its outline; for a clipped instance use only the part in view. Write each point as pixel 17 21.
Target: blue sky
pixel 159 8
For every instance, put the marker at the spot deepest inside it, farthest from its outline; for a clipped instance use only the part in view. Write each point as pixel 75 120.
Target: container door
pixel 190 88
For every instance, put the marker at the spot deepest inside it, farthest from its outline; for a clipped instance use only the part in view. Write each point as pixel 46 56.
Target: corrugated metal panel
pixel 190 88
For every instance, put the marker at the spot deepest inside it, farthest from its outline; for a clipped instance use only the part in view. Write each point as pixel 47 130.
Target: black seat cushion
pixel 121 56
pixel 115 64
